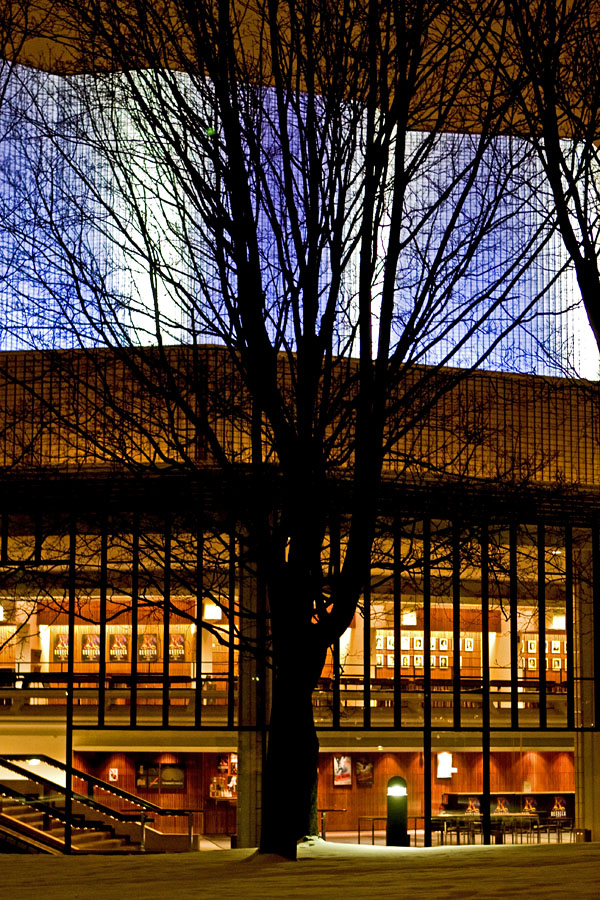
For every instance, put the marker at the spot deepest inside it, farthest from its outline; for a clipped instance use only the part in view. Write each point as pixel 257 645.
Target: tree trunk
pixel 290 776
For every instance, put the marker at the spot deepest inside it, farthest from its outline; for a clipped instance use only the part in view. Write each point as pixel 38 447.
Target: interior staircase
pixel 25 826
pixel 33 814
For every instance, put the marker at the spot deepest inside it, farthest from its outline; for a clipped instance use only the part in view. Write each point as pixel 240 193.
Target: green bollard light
pixel 397 813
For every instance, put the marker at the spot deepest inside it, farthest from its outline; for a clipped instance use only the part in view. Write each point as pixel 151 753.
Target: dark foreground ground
pixel 324 871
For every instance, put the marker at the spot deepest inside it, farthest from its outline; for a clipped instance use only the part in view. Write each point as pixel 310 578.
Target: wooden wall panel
pixel 191 798
pixel 510 771
pixel 369 800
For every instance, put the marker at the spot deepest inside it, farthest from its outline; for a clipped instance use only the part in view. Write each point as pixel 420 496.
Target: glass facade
pixel 469 666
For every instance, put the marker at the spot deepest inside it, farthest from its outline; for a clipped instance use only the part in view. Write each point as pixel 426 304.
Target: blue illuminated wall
pixel 82 265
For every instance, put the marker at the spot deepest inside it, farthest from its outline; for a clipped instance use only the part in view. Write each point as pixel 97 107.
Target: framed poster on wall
pixel 364 771
pixel 177 647
pixel 148 647
pixel 90 647
pixel 60 648
pixel 342 771
pixel 118 647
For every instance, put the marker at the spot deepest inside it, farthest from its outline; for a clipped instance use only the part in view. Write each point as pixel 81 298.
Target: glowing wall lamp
pixel 445 769
pixel 212 612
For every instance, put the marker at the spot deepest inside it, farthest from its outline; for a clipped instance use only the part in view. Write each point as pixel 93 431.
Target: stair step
pixel 88 837
pixel 14 809
pixel 30 816
pixel 108 845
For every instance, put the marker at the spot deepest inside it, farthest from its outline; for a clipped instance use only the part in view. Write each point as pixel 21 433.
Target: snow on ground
pixel 324 871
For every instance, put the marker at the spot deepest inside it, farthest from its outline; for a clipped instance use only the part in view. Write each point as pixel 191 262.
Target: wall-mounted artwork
pixel 342 771
pixel 90 647
pixel 118 647
pixel 364 770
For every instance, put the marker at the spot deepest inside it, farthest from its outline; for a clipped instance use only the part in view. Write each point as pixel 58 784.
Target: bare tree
pixel 291 183
pixel 554 75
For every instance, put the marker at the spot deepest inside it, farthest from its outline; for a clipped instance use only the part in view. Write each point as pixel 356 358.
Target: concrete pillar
pixel 251 749
pixel 587 782
pixel 587 743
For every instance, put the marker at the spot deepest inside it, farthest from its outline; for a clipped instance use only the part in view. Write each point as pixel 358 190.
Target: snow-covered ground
pixel 324 871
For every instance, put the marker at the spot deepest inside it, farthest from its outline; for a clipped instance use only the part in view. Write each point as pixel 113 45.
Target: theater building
pixel 470 669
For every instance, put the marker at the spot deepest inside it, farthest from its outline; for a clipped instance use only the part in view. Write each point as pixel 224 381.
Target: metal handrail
pixel 145 805
pixel 6 763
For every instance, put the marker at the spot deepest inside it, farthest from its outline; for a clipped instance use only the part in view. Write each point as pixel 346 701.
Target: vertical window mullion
pixel 103 592
pixel 456 632
pixel 596 623
pixel 334 566
pixel 199 632
pixel 514 636
pixel 367 651
pixel 427 774
pixel 569 624
pixel 231 683
pixel 135 574
pixel 485 682
pixel 166 623
pixel 541 593
pixel 397 597
pixel 68 809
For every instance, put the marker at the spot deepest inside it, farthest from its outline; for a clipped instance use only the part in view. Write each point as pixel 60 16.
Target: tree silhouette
pixel 272 217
